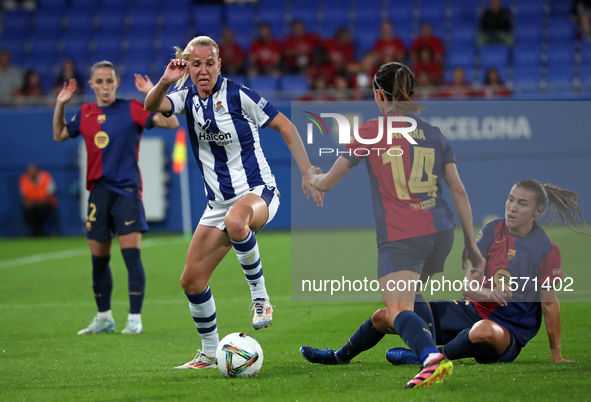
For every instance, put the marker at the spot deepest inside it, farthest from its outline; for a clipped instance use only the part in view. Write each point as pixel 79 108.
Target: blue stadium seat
pixel 494 56
pixel 168 39
pixel 560 8
pixel 561 29
pixel 585 74
pixel 460 57
pixel 140 45
pixel 275 18
pixel 559 74
pixel 368 27
pixel 44 49
pixel 335 20
pixel 464 12
pixel 502 73
pixel 107 48
pixel 49 24
pixel 208 18
pixel 586 54
pixel 244 41
pixel 462 35
pixel 526 76
pixel 277 5
pixel 83 5
pixel 293 83
pixel 80 21
pixel 240 79
pixel 16 48
pixel 51 7
pixel 127 87
pixel 432 11
pixel 111 23
pixel 144 20
pixel 134 65
pixel 175 19
pixel 178 4
pixel 240 18
pixel 528 32
pixel 15 24
pixel 364 41
pixel 76 48
pixel 533 9
pixel 400 12
pixel 526 55
pixel 561 54
pixel 264 83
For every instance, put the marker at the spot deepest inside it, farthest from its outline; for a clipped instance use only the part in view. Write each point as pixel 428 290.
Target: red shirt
pixel 432 68
pixel 340 53
pixel 232 55
pixel 265 54
pixel 432 43
pixel 393 47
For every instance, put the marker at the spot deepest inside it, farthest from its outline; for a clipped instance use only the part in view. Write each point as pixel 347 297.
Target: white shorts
pixel 215 211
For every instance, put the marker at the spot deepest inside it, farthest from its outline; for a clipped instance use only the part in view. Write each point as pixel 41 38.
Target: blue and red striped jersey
pixel 405 179
pixel 112 135
pixel 532 262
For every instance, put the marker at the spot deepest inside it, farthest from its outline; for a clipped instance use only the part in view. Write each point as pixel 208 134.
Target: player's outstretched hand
pixel 175 70
pixel 472 253
pixel 308 186
pixel 560 359
pixel 67 91
pixel 143 84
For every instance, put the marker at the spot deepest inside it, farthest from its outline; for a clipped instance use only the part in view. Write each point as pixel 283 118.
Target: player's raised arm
pixel 292 138
pixel 156 100
pixel 552 319
pixel 60 131
pixel 144 85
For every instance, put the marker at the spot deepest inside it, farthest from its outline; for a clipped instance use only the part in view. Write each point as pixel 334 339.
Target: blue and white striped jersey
pixel 225 138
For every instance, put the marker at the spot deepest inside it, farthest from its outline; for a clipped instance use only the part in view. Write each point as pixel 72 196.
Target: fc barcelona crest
pixel 101 118
pixel 219 108
pixel 511 254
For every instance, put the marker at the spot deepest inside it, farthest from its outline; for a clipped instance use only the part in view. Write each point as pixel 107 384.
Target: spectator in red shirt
pixel 428 64
pixel 265 53
pixel 31 85
pixel 231 53
pixel 458 87
pixel 321 64
pixel 389 47
pixel 298 47
pixel 427 39
pixel 319 90
pixel 341 49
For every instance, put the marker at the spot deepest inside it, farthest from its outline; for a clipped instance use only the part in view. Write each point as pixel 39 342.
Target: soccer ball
pixel 239 355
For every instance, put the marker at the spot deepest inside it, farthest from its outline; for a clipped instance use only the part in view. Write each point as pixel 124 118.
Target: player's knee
pixel 483 332
pixel 191 284
pixel 236 226
pixel 379 320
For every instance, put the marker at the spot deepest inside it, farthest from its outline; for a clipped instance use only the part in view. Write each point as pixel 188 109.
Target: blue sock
pixel 414 332
pixel 424 311
pixel 136 278
pixel 365 338
pixel 102 282
pixel 461 347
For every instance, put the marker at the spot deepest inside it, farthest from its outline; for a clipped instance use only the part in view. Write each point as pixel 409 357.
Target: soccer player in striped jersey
pixel 223 119
pixel 112 129
pixel 415 226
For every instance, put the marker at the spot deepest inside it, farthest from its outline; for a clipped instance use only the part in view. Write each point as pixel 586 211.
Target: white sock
pixel 204 314
pixel 105 315
pixel 430 357
pixel 134 317
pixel 247 251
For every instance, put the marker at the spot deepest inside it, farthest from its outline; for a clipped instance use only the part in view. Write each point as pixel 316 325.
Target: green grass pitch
pixel 46 297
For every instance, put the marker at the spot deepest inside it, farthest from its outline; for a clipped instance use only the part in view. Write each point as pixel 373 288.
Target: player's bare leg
pixel 208 248
pixel 248 215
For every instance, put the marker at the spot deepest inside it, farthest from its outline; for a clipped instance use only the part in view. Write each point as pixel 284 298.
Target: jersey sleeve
pixel 73 126
pixel 551 266
pixel 177 99
pixel 485 238
pixel 446 151
pixel 256 107
pixel 140 116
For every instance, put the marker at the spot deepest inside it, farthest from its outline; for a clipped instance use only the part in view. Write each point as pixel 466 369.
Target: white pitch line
pixel 56 255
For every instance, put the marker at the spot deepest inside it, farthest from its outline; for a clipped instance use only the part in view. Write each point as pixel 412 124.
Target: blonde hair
pixel 183 54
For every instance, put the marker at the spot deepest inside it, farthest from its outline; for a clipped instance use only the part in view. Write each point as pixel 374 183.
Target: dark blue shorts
pixel 423 254
pixel 450 317
pixel 110 213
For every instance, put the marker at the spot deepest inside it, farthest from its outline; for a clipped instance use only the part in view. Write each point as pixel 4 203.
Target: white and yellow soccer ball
pixel 239 355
